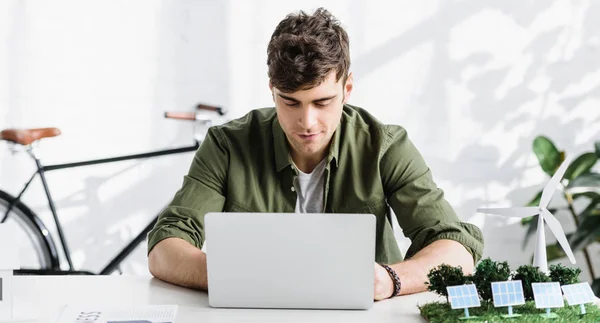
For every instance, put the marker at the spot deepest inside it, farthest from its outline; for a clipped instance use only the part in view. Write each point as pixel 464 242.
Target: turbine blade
pixel 558 232
pixel 517 212
pixel 551 186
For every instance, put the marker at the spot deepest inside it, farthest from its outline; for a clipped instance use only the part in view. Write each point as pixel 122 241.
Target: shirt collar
pixel 282 153
pixel 334 147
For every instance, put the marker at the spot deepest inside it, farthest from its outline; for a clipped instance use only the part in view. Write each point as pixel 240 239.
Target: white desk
pixel 43 297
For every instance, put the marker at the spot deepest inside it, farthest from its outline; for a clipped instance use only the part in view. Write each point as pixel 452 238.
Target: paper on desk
pixel 122 314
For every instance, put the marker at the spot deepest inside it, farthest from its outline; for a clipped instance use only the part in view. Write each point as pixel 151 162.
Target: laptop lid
pixel 290 260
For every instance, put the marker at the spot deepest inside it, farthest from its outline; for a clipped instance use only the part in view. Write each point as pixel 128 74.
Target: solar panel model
pixel 548 295
pixel 579 294
pixel 463 297
pixel 508 294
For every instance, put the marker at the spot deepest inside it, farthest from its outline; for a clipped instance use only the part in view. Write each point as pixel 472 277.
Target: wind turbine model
pixel 539 258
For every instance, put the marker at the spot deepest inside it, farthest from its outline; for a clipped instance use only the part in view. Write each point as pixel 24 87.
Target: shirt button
pixel 293 189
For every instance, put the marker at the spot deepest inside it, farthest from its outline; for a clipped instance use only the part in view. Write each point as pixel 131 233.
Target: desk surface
pixel 42 298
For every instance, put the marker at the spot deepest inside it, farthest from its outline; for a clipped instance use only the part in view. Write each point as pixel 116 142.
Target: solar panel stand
pixel 510 313
pixel 582 307
pixel 549 314
pixel 467 316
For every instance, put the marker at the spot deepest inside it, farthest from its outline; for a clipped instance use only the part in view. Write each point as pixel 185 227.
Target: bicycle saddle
pixel 27 136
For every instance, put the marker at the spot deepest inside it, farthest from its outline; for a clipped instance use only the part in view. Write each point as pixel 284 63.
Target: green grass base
pixel 550 316
pixel 464 318
pixel 440 312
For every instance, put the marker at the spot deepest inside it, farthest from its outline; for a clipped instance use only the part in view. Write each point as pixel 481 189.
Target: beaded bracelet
pixel 395 279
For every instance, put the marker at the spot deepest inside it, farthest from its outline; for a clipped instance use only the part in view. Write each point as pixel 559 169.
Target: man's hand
pixel 384 286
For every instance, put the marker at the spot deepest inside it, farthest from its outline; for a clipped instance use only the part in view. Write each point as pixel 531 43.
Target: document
pixel 118 314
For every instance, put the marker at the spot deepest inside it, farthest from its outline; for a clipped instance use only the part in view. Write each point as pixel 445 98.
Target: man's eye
pixel 322 104
pixel 291 104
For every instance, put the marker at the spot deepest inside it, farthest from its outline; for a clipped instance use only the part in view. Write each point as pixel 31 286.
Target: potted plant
pixel 580 183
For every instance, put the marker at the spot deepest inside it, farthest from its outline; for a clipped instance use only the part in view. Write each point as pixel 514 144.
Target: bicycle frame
pixel 41 170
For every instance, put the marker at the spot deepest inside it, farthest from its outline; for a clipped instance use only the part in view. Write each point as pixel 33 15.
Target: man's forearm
pixel 178 262
pixel 413 272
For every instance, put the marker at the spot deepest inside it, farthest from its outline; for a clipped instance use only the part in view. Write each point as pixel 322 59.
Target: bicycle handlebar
pixel 192 115
pixel 181 115
pixel 218 110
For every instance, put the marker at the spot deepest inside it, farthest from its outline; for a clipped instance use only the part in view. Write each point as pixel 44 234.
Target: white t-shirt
pixel 309 189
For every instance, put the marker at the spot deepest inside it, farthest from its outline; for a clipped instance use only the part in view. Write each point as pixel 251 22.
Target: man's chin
pixel 308 149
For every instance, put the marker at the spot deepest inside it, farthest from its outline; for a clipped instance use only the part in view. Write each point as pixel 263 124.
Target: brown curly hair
pixel 304 49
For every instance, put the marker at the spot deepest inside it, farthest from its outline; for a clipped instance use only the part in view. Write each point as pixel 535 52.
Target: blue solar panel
pixel 508 293
pixel 579 293
pixel 463 296
pixel 547 295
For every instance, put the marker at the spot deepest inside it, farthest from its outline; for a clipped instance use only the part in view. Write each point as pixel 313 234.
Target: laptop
pixel 290 260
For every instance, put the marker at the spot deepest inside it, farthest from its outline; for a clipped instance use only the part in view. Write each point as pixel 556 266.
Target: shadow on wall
pixel 192 67
pixel 478 165
pixel 194 46
pixel 485 108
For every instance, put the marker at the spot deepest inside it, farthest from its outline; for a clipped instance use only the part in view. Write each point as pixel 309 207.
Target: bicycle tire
pixel 39 236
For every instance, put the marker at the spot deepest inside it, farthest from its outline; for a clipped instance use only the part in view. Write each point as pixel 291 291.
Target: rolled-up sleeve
pixel 202 191
pixel 420 206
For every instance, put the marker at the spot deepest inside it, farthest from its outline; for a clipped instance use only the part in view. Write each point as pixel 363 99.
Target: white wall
pixel 473 82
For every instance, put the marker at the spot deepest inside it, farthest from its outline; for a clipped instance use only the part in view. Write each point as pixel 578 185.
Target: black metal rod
pixel 128 249
pixel 122 158
pixel 17 199
pixel 137 240
pixel 38 272
pixel 56 220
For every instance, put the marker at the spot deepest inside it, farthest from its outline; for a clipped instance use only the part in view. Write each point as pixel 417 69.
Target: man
pixel 314 152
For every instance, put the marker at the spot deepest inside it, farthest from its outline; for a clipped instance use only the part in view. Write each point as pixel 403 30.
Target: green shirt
pixel 245 166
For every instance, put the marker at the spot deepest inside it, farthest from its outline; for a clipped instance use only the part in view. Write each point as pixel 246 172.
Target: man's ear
pixel 348 87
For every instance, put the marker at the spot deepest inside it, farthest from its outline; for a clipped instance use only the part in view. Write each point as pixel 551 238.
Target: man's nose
pixel 308 118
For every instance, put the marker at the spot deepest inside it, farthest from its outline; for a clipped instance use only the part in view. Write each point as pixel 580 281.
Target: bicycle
pixel 45 259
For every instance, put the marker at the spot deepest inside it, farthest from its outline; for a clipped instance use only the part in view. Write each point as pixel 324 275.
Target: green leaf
pixel 589 182
pixel 547 154
pixel 554 252
pixel 588 230
pixel 526 221
pixel 536 200
pixel 581 165
pixel 589 195
pixel 598 148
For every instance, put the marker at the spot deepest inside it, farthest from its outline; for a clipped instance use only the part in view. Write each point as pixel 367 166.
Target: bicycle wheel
pixel 36 247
